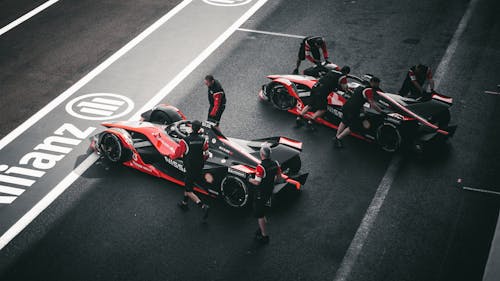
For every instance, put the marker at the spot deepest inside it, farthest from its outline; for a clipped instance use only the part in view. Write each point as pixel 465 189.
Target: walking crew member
pixel 216 98
pixel 415 79
pixel 310 50
pixel 333 80
pixel 265 176
pixel 194 151
pixel 352 107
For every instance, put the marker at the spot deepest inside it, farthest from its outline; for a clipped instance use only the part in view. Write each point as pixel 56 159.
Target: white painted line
pixel 24 221
pixel 452 47
pixel 352 254
pixel 480 190
pixel 366 225
pixel 96 71
pixel 272 33
pixel 491 93
pixel 46 201
pixel 199 59
pixel 27 16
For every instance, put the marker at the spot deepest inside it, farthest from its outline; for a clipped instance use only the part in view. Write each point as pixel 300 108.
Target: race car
pixel 148 145
pixel 403 121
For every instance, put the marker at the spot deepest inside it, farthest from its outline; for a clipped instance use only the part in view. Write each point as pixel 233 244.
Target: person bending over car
pixel 333 80
pixel 267 172
pixel 216 98
pixel 414 81
pixel 310 50
pixel 194 152
pixel 353 106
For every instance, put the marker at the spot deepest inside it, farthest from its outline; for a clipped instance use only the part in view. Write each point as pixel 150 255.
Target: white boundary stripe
pixel 366 225
pixel 96 71
pixel 452 47
pixel 371 214
pixel 27 16
pixel 480 190
pixel 89 161
pixel 272 33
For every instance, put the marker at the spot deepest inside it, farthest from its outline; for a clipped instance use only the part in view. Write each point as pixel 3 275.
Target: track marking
pixel 26 219
pixel 96 71
pixel 492 93
pixel 272 33
pixel 27 16
pixel 480 190
pixel 366 225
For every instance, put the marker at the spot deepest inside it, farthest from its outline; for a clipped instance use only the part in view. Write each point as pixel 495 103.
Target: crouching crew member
pixel 194 152
pixel 353 106
pixel 216 98
pixel 414 81
pixel 267 172
pixel 310 50
pixel 332 81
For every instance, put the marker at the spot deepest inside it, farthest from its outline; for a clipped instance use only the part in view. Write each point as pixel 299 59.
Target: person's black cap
pixel 375 79
pixel 345 70
pixel 196 126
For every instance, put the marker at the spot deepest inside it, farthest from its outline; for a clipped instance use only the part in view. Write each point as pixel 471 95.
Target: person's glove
pixel 295 71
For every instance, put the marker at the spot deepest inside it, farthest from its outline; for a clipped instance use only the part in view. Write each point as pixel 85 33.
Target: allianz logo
pixel 14 180
pixel 176 164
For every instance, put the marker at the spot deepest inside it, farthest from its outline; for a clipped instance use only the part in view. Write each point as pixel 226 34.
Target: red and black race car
pixel 147 146
pixel 404 121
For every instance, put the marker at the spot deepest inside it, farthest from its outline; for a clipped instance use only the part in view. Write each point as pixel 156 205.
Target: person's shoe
pixel 205 209
pixel 337 143
pixel 299 122
pixel 295 71
pixel 310 126
pixel 183 205
pixel 263 239
pixel 258 234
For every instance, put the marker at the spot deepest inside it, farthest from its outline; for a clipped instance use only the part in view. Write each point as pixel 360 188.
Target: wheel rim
pixel 234 191
pixel 281 98
pixel 388 137
pixel 112 147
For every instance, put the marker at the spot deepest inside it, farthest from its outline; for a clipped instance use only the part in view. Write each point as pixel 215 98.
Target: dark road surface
pixel 119 224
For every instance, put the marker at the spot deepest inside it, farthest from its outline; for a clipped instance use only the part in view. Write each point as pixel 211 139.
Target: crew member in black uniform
pixel 332 81
pixel 266 174
pixel 414 81
pixel 216 98
pixel 310 49
pixel 353 106
pixel 194 152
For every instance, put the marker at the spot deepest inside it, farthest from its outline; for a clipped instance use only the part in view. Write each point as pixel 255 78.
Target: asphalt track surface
pixel 118 224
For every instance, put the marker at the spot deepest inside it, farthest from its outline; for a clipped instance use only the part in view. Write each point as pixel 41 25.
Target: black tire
pixel 112 149
pixel 159 117
pixel 389 137
pixel 292 166
pixel 234 191
pixel 442 119
pixel 280 98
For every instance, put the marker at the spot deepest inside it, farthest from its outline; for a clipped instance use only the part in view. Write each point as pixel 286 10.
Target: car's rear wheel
pixel 280 98
pixel 235 191
pixel 112 148
pixel 292 166
pixel 389 137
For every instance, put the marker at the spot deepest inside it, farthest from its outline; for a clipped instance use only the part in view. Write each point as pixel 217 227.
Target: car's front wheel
pixel 235 191
pixel 112 148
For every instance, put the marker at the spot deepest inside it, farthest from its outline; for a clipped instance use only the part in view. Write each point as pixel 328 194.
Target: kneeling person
pixel 353 106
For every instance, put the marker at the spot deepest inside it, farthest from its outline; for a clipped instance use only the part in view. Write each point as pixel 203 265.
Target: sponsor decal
pixel 237 172
pixel 99 106
pixel 225 150
pixel 35 164
pixel 176 164
pixel 335 112
pixel 227 3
